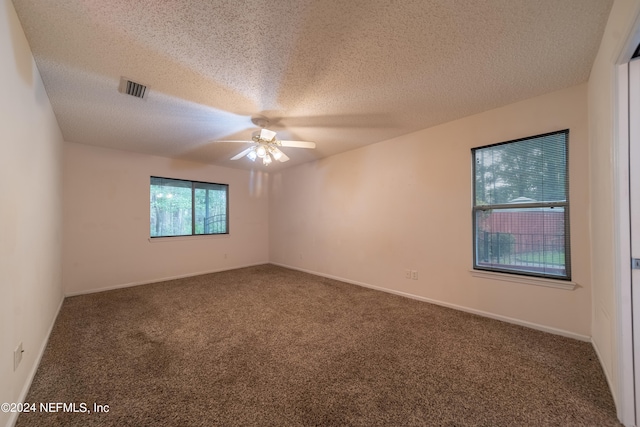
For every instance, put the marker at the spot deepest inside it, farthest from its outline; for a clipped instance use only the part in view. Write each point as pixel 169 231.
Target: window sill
pixel 525 280
pixel 186 238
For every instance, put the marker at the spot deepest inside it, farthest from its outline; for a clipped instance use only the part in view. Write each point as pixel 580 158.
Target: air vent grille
pixel 136 89
pixel 132 88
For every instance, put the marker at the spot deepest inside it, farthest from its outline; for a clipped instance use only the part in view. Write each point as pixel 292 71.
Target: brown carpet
pixel 268 346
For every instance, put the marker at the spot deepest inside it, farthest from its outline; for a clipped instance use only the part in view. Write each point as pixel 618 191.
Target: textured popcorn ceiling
pixel 341 73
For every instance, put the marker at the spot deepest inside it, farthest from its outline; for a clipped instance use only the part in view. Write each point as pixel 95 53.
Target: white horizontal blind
pixel 521 208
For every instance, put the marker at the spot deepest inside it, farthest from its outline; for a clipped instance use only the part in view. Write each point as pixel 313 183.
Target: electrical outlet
pixel 407 274
pixel 414 274
pixel 17 356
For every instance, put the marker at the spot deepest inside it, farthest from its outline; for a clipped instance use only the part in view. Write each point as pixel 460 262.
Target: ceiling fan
pixel 266 144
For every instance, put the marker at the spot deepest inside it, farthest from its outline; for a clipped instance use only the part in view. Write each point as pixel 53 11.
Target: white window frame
pixel 523 276
pixel 193 185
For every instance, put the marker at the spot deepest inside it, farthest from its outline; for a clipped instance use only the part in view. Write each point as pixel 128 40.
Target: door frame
pixel 628 407
pixel 624 322
pixel 634 212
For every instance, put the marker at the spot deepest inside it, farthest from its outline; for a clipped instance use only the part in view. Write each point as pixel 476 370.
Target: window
pixel 521 207
pixel 185 208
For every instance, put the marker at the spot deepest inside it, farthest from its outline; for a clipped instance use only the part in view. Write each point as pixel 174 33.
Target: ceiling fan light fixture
pixel 265 145
pixel 267 134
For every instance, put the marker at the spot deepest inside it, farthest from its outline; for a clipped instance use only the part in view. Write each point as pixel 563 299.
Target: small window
pixel 521 207
pixel 186 208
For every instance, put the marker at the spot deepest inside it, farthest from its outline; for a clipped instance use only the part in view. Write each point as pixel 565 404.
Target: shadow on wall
pixel 258 181
pixel 21 50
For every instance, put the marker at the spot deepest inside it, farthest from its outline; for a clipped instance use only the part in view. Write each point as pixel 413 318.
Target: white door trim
pixel 634 200
pixel 626 405
pixel 626 401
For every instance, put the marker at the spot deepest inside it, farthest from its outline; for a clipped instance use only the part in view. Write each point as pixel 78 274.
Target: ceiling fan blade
pixel 345 120
pixel 245 141
pixel 298 144
pixel 279 155
pixel 242 153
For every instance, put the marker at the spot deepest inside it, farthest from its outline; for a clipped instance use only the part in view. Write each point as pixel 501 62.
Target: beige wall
pixel 369 214
pixel 30 211
pixel 363 216
pixel 106 221
pixel 602 101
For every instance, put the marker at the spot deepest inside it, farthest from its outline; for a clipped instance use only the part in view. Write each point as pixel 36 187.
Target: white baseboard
pixel 607 377
pixel 531 325
pixel 27 385
pixel 23 394
pixel 159 279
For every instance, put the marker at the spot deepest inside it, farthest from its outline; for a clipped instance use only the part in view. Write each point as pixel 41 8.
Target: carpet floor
pixel 269 346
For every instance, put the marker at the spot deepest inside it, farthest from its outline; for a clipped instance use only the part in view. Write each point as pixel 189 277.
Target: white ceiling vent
pixel 132 88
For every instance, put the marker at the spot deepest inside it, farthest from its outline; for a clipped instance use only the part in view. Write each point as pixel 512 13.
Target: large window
pixel 185 208
pixel 521 207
